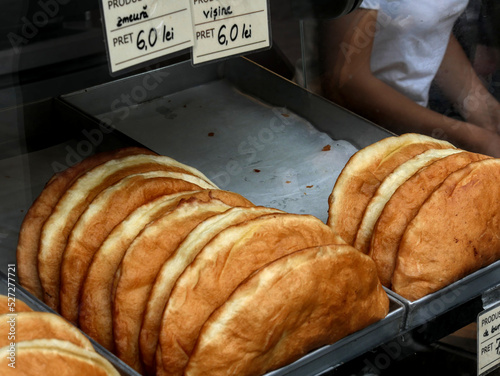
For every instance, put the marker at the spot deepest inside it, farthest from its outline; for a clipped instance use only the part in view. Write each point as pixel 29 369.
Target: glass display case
pixel 276 125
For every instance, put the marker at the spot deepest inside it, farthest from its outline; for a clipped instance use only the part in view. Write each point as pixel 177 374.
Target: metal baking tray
pixel 10 288
pixel 247 129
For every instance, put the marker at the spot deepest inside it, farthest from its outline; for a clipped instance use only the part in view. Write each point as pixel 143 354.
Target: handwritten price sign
pixel 138 31
pixel 488 340
pixel 225 28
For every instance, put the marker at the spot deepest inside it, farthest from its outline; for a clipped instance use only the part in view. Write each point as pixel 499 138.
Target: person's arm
pixel 348 80
pixel 468 94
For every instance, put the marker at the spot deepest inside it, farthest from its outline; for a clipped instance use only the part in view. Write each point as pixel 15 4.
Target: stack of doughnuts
pixel 43 343
pixel 176 276
pixel 427 213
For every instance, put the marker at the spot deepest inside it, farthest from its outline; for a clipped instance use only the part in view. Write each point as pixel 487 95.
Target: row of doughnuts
pixel 426 212
pixel 152 260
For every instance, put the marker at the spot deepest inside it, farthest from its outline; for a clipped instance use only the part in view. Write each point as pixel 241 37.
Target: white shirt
pixel 410 42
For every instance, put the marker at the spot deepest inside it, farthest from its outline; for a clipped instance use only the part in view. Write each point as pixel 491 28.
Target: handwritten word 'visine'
pixel 213 13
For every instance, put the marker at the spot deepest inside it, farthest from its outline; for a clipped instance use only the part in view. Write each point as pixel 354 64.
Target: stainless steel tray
pixel 247 129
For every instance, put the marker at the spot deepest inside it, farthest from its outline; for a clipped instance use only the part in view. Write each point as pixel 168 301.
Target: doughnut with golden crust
pixel 108 209
pixel 54 357
pixel 288 308
pixel 41 208
pixel 220 267
pixel 454 233
pixel 42 325
pixel 402 207
pixel 140 266
pixel 386 189
pixel 176 264
pixel 363 174
pixel 95 315
pixel 58 226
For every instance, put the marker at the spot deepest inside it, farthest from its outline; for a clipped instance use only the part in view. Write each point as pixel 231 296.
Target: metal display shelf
pixel 476 285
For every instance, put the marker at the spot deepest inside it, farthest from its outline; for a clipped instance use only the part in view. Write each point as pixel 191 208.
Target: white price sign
pixel 138 31
pixel 225 28
pixel 488 340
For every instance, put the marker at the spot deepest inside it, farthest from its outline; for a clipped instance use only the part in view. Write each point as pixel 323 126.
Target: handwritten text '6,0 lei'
pixel 233 33
pixel 149 39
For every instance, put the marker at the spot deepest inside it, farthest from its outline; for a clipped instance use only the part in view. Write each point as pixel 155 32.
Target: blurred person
pixel 380 61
